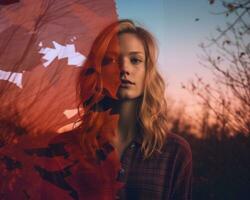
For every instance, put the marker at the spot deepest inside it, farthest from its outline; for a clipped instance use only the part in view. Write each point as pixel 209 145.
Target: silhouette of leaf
pixel 242 54
pixel 231 7
pixel 211 1
pixel 10 163
pixel 226 42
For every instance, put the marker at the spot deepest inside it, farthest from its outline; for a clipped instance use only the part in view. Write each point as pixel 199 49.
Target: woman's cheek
pixel 111 80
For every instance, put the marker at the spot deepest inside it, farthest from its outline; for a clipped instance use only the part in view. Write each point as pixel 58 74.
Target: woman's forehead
pixel 114 45
pixel 125 43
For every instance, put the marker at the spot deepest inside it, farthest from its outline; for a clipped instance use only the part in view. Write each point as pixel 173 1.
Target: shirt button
pixel 132 146
pixel 122 172
pixel 121 175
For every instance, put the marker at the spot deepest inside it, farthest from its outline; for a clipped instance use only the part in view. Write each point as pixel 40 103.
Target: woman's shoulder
pixel 177 140
pixel 178 146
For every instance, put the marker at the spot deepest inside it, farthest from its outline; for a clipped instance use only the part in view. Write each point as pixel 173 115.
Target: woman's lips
pixel 126 83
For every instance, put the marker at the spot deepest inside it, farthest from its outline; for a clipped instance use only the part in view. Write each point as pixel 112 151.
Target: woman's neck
pixel 127 123
pixel 127 119
pixel 126 110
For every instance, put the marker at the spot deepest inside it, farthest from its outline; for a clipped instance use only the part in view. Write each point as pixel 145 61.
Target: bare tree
pixel 227 56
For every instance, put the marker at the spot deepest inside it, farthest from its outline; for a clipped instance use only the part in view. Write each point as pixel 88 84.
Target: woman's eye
pixel 108 60
pixel 135 60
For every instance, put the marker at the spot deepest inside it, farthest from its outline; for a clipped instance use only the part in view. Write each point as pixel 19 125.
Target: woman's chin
pixel 122 95
pixel 127 97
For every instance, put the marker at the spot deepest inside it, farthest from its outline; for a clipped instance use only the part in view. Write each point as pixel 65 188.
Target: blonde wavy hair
pixel 152 111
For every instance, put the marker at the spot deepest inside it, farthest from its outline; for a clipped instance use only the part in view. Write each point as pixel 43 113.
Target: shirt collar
pixel 138 139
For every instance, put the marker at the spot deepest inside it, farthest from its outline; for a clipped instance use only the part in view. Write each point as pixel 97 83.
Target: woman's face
pixel 127 53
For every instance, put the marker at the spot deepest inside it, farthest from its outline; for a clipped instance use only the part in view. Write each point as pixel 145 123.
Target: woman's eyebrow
pixel 136 53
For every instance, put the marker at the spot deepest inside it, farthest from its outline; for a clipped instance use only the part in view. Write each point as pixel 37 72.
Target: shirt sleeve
pixel 181 186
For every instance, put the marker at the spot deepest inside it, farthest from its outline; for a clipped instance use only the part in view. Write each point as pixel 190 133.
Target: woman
pixel 122 149
pixel 123 99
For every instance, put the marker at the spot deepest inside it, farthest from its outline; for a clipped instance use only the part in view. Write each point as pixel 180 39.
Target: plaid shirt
pixel 56 168
pixel 163 176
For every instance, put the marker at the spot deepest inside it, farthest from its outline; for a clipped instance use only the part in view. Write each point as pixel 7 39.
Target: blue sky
pixel 178 34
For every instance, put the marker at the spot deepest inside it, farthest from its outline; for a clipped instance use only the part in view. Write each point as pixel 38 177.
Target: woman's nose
pixel 124 66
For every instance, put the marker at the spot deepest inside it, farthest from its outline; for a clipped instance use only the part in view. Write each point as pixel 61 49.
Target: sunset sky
pixel 179 28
